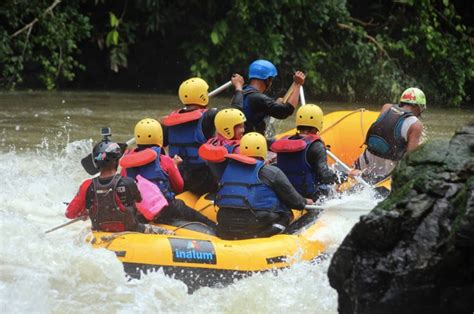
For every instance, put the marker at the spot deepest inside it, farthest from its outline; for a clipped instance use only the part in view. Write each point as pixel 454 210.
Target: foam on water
pixel 59 272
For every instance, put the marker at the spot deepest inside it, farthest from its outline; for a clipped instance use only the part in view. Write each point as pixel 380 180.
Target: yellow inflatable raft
pixel 199 258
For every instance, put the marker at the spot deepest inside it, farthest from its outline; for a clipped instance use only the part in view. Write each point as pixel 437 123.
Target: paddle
pixel 270 130
pixel 64 224
pixel 330 154
pixel 87 162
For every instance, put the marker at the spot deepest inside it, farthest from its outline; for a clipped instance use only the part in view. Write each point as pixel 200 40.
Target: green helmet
pixel 414 96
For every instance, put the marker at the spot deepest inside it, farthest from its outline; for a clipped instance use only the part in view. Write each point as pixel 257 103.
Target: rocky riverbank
pixel 414 252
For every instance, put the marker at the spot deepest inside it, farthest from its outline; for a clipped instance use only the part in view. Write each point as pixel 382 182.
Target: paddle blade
pixel 88 165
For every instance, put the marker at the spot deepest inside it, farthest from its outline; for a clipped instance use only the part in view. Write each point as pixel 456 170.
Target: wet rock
pixel 414 253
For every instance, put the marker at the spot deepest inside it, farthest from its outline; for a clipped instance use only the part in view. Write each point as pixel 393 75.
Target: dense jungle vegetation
pixel 350 49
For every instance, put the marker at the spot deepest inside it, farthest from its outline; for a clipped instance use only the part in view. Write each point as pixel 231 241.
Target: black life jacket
pixel 108 213
pixel 384 138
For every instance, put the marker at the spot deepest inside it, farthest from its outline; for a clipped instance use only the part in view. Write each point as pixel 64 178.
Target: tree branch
pixel 372 39
pixel 30 25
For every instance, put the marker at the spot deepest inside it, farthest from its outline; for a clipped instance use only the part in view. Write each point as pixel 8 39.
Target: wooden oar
pixel 87 162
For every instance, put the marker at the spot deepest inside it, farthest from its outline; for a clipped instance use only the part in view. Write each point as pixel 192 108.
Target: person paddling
pixel 254 199
pixel 187 129
pixel 302 157
pixel 109 199
pixel 257 106
pixel 150 162
pixel 396 131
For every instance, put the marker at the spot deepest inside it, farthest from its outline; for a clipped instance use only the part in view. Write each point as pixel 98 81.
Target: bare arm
pixel 414 135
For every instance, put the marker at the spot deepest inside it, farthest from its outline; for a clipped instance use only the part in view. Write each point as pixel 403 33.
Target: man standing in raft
pixel 150 162
pixel 396 131
pixel 109 199
pixel 254 199
pixel 302 157
pixel 257 106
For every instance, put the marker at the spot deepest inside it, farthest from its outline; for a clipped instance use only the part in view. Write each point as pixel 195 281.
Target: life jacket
pixel 384 137
pixel 230 145
pixel 241 188
pixel 253 119
pixel 108 213
pixel 147 164
pixel 185 135
pixel 291 159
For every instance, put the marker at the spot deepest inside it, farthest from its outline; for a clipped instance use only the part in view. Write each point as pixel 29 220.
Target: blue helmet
pixel 262 69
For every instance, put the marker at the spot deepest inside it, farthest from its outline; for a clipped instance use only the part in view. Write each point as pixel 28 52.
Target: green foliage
pixel 350 50
pixel 45 48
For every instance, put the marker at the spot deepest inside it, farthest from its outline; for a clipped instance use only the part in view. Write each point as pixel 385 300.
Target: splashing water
pixel 59 272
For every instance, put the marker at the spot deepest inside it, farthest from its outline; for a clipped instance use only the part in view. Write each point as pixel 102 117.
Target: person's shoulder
pixel 416 127
pixel 386 107
pixel 211 112
pixel 127 181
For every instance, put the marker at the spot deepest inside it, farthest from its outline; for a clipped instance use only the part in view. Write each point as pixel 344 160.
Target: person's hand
pixel 354 173
pixel 299 77
pixel 177 160
pixel 279 100
pixel 309 201
pixel 238 81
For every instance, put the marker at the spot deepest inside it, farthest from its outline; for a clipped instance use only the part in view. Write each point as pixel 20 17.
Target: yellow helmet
pixel 149 132
pixel 226 120
pixel 194 92
pixel 253 144
pixel 310 115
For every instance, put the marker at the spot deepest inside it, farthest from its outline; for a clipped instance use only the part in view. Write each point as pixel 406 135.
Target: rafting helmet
pixel 148 132
pixel 105 153
pixel 310 115
pixel 194 92
pixel 226 120
pixel 253 144
pixel 262 69
pixel 415 97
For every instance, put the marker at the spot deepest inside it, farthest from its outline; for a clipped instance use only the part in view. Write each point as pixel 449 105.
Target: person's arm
pixel 77 207
pixel 285 191
pixel 262 103
pixel 318 161
pixel 176 180
pixel 414 135
pixel 298 80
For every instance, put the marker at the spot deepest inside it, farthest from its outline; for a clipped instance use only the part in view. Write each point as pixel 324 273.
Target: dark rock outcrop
pixel 414 252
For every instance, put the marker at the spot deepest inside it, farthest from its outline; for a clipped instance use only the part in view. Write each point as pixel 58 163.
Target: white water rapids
pixel 42 140
pixel 59 272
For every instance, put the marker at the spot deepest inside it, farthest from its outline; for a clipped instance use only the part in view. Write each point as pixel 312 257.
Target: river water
pixel 43 137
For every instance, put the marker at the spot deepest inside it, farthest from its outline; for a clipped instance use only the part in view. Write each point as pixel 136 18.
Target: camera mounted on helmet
pixel 106 153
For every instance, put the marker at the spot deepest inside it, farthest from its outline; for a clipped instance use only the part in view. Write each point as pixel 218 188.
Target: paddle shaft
pixel 347 169
pixel 64 225
pixel 313 207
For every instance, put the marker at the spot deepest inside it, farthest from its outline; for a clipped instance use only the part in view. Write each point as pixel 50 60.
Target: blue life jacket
pixel 291 159
pixel 184 139
pixel 252 119
pixel 384 137
pixel 154 173
pixel 241 188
